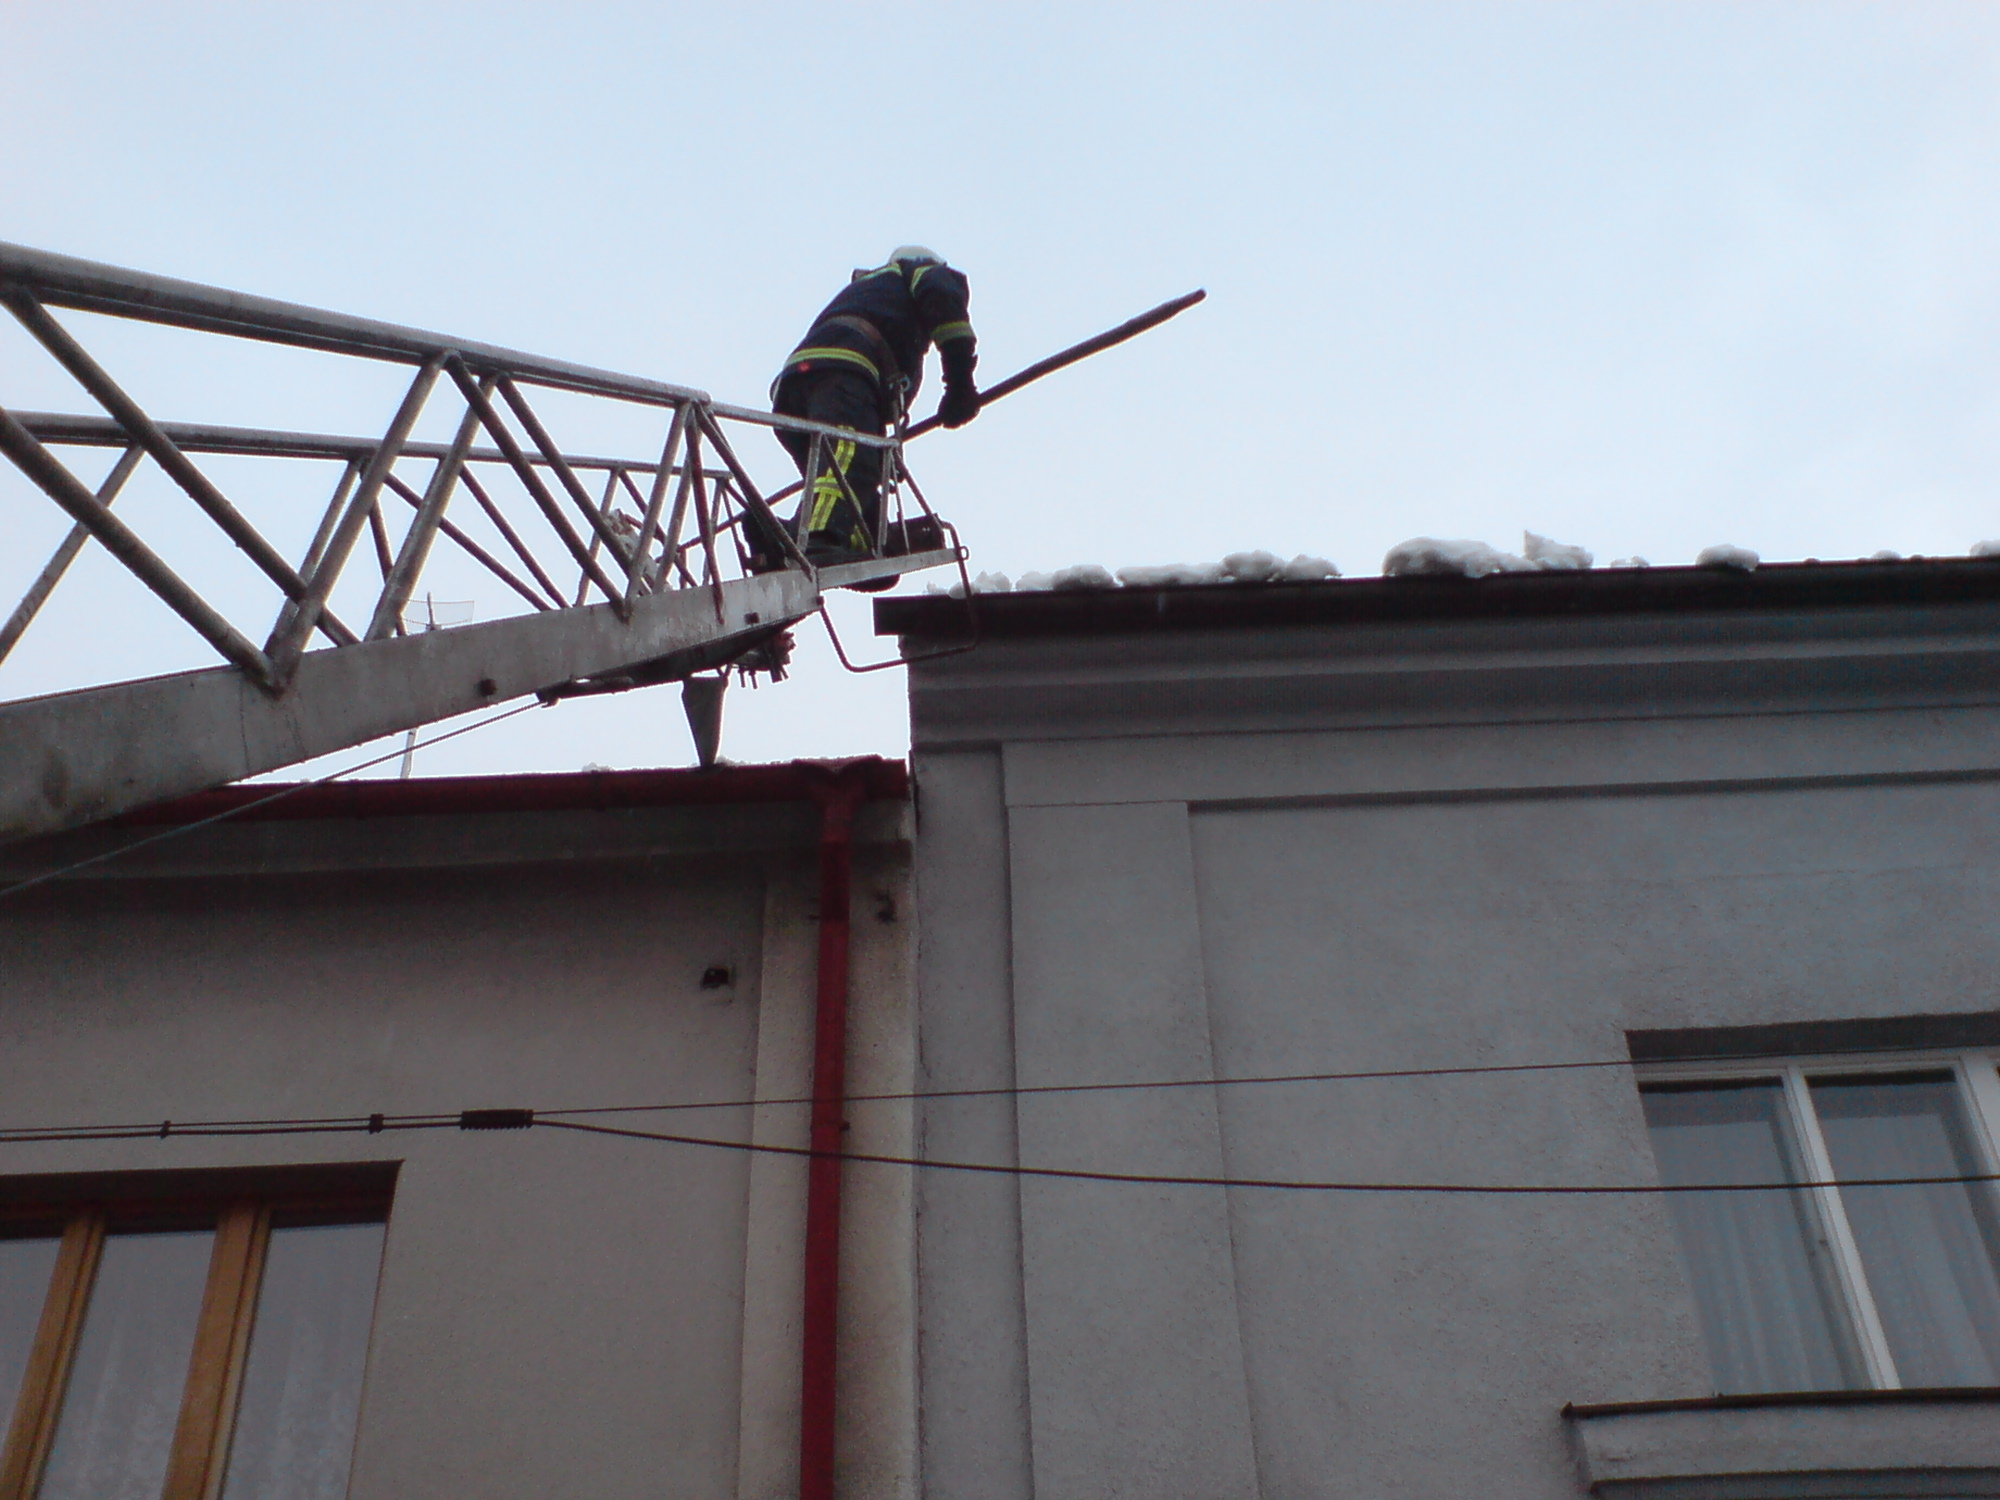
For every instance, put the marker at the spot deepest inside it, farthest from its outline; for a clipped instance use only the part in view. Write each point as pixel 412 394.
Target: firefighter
pixel 859 366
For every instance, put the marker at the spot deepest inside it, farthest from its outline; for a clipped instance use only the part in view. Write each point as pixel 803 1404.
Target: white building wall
pixel 559 1314
pixel 1296 850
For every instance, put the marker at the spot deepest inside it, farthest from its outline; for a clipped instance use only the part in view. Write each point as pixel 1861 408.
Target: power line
pixel 1230 1081
pixel 278 796
pixel 931 1095
pixel 1284 1184
pixel 379 1123
pixel 520 1119
pixel 1021 1091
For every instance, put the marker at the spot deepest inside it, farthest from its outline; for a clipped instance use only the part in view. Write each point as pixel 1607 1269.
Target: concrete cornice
pixel 1261 673
pixel 1889 1442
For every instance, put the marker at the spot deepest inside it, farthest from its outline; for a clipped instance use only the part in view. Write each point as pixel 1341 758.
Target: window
pixel 1849 1286
pixel 158 1343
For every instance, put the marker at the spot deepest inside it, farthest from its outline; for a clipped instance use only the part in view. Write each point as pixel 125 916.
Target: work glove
pixel 960 404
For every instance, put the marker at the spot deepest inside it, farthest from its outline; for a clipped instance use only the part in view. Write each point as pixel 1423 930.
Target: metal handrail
pixel 717 498
pixel 709 578
pixel 68 429
pixel 91 286
pixel 63 429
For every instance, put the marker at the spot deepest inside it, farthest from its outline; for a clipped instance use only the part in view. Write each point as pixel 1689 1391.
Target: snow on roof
pixel 1420 557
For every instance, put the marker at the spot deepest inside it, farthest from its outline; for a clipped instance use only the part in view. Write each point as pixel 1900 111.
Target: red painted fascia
pixel 880 780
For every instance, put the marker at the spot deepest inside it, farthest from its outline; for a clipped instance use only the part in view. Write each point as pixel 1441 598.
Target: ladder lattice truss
pixel 663 545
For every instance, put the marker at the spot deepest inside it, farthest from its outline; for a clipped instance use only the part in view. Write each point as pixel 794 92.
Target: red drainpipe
pixel 838 794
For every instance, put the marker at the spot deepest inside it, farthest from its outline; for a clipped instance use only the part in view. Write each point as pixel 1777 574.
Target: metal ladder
pixel 682 566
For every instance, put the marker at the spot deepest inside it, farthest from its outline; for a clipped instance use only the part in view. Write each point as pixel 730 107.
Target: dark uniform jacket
pixel 885 320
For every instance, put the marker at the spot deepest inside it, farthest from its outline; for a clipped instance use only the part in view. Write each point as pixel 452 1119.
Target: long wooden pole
pixel 1131 328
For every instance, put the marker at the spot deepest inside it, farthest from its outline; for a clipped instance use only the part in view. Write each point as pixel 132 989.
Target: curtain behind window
pixel 124 1399
pixel 301 1401
pixel 1761 1282
pixel 1930 1252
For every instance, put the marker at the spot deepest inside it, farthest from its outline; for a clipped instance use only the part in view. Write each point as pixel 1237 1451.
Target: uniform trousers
pixel 840 398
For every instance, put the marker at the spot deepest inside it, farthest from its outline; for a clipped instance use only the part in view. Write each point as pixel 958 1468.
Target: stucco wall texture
pixel 558 1314
pixel 1281 849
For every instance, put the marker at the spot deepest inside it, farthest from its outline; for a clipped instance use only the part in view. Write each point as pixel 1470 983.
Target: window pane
pixel 25 1268
pixel 302 1388
pixel 1759 1269
pixel 117 1426
pixel 1930 1252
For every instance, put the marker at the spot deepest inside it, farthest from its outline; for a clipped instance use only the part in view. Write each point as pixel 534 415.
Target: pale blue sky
pixel 1640 276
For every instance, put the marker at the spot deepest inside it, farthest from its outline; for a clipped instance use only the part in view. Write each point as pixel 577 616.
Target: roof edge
pixel 1360 601
pixel 883 780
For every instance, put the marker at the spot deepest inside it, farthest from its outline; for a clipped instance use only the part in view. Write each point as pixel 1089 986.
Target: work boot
pixel 826 549
pixel 917 534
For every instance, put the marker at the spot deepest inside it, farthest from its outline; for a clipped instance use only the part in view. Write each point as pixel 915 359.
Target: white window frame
pixel 1977 1071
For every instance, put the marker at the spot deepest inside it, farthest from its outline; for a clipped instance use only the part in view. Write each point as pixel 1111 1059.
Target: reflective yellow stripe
pixel 921 271
pixel 946 332
pixel 800 356
pixel 826 496
pixel 827 489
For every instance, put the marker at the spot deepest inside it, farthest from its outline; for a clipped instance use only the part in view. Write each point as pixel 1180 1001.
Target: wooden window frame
pixel 242 1207
pixel 1975 1071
